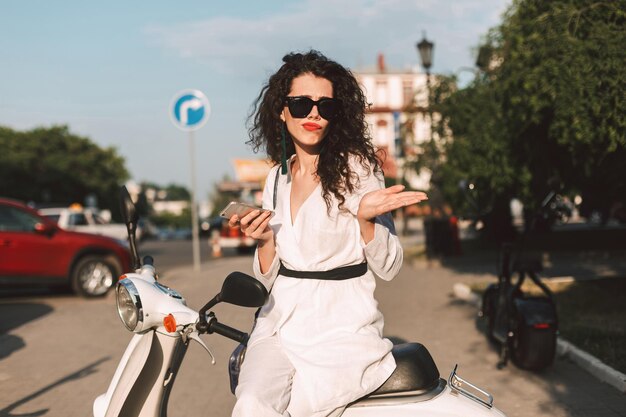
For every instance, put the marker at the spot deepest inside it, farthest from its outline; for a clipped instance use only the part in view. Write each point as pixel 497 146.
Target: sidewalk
pixel 565 349
pixel 418 305
pixel 571 263
pixel 573 250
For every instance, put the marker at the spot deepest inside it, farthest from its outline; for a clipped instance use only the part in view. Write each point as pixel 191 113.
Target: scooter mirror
pixel 128 208
pixel 243 290
pixel 129 213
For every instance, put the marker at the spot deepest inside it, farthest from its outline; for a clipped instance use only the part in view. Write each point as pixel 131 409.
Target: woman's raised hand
pixel 383 201
pixel 254 224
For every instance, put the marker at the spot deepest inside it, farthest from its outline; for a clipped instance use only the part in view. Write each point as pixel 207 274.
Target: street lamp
pixel 483 58
pixel 425 48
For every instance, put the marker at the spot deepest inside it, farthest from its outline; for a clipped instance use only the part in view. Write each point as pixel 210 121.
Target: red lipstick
pixel 311 126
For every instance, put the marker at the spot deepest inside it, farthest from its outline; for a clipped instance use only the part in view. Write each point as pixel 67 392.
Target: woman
pixel 317 344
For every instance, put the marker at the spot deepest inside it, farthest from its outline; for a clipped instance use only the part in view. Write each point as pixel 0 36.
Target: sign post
pixel 190 109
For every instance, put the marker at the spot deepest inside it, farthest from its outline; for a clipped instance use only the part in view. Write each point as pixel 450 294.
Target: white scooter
pixel 164 325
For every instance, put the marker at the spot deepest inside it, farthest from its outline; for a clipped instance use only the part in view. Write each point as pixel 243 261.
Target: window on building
pixel 407 93
pixel 381 93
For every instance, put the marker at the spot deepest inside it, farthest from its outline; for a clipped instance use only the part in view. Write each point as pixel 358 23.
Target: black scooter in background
pixel 525 326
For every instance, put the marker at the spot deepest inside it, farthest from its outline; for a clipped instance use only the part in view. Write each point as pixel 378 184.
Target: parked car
pixel 231 237
pixel 147 229
pixel 80 219
pixel 170 233
pixel 35 250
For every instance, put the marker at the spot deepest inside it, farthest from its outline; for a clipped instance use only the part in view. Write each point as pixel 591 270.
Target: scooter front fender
pixel 144 376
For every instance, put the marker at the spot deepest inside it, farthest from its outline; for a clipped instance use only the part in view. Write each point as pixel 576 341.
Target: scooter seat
pixel 415 371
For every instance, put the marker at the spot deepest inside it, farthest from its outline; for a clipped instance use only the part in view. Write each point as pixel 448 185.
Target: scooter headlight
pixel 128 304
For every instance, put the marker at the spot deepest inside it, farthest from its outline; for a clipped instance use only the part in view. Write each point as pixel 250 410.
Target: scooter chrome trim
pixel 455 382
pixel 169 291
pixel 132 291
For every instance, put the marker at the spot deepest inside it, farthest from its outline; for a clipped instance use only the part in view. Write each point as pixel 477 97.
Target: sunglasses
pixel 301 106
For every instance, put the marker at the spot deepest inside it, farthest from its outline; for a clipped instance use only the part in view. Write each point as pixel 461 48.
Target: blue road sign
pixel 190 110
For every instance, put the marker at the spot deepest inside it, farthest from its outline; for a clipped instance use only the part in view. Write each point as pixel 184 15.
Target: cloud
pixel 350 31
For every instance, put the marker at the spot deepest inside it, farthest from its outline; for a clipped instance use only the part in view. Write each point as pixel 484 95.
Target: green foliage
pixel 142 205
pixel 54 165
pixel 561 86
pixel 176 221
pixel 219 199
pixel 547 112
pixel 171 192
pixel 476 173
pixel 177 192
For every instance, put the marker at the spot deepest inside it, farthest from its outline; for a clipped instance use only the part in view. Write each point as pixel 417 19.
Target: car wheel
pixel 93 276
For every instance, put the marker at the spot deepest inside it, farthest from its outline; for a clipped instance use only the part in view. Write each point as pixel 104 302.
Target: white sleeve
pixel 383 253
pixel 270 275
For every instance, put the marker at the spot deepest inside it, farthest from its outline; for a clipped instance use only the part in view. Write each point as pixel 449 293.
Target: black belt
pixel 337 274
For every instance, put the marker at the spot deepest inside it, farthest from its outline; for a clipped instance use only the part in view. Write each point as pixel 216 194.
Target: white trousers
pixel 270 387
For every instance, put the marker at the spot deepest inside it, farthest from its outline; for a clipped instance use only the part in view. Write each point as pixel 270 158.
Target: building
pixel 250 180
pixel 398 118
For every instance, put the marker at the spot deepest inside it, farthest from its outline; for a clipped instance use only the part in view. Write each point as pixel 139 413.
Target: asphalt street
pixel 58 352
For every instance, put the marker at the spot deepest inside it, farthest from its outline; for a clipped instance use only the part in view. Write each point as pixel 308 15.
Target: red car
pixel 34 250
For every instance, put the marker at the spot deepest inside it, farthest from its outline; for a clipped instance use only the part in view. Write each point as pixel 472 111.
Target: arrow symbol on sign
pixel 193 104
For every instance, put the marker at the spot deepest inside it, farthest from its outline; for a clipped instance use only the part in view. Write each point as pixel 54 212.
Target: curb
pixel 564 348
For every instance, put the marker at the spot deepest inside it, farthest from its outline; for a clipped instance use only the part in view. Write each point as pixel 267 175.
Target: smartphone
pixel 240 209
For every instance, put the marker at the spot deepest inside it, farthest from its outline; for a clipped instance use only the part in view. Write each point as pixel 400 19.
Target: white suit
pixel 318 343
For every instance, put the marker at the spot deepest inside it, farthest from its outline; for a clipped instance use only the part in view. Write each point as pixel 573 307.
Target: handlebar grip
pixel 148 260
pixel 227 331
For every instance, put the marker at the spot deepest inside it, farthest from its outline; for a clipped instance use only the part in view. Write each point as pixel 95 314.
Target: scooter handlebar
pixel 227 331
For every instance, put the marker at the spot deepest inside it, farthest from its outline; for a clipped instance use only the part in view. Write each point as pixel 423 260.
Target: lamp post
pixel 425 48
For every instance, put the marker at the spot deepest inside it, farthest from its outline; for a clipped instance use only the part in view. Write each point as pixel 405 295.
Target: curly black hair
pixel 347 133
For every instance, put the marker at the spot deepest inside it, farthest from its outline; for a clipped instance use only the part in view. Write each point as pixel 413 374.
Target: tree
pixel 176 221
pixel 53 165
pixel 560 87
pixel 548 110
pixel 219 198
pixel 177 192
pixel 472 165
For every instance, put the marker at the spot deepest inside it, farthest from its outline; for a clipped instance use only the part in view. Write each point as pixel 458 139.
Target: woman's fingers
pixel 248 218
pixel 258 220
pixel 255 223
pixel 233 221
pixel 376 203
pixel 398 190
pixel 261 227
pixel 413 194
pixel 245 221
pixel 394 189
pixel 413 198
pixel 402 200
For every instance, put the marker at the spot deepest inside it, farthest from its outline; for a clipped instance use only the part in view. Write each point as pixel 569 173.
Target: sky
pixel 110 70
